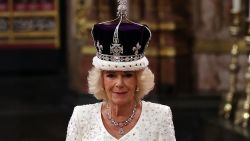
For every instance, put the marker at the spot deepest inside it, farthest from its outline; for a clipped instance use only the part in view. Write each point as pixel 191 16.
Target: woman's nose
pixel 119 82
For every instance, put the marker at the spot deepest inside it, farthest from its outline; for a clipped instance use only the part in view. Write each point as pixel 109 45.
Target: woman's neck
pixel 121 112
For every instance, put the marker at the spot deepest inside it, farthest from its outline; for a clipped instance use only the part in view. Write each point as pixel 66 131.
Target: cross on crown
pixel 116 49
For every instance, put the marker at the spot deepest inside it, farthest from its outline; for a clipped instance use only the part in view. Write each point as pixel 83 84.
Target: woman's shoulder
pixel 87 109
pixel 157 112
pixel 157 109
pixel 156 106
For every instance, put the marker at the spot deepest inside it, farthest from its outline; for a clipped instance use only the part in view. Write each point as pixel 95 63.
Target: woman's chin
pixel 120 100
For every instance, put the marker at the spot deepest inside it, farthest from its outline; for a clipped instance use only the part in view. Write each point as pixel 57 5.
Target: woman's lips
pixel 120 93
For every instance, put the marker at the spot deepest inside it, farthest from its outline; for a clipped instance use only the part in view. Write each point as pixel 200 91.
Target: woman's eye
pixel 110 75
pixel 128 74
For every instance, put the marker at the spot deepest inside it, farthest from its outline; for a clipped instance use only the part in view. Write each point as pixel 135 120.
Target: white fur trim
pixel 120 66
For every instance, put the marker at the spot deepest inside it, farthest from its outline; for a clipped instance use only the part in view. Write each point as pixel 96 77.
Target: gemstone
pixel 121 131
pixel 121 124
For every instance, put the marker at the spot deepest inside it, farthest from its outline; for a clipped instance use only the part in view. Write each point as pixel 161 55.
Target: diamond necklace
pixel 120 125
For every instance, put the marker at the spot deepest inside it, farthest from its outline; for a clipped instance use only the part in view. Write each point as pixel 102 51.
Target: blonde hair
pixel 145 83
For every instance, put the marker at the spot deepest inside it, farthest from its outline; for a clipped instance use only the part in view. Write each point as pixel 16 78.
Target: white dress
pixel 154 124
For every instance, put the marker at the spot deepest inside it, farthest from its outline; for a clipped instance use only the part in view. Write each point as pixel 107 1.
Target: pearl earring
pixel 102 89
pixel 137 89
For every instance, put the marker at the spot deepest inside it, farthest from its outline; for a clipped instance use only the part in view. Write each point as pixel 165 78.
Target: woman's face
pixel 120 86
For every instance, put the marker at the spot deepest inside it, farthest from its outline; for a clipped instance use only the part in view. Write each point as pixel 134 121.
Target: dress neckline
pixel 130 132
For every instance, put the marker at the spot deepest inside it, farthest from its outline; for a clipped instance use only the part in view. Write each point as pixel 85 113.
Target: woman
pixel 122 92
pixel 121 78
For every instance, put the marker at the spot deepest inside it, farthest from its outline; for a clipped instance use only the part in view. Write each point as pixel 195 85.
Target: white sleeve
pixel 167 132
pixel 73 131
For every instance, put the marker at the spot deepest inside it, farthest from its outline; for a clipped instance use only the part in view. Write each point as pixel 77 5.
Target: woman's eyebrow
pixel 110 71
pixel 128 72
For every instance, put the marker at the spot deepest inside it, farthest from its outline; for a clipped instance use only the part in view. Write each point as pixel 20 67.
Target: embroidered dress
pixel 154 124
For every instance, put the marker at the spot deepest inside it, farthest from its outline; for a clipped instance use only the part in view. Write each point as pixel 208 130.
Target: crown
pixel 120 46
pixel 123 50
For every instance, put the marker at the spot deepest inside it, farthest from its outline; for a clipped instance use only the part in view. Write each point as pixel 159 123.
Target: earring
pixel 137 89
pixel 102 89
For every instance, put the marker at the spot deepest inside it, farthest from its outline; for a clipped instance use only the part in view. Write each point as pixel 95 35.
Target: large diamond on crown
pixel 116 49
